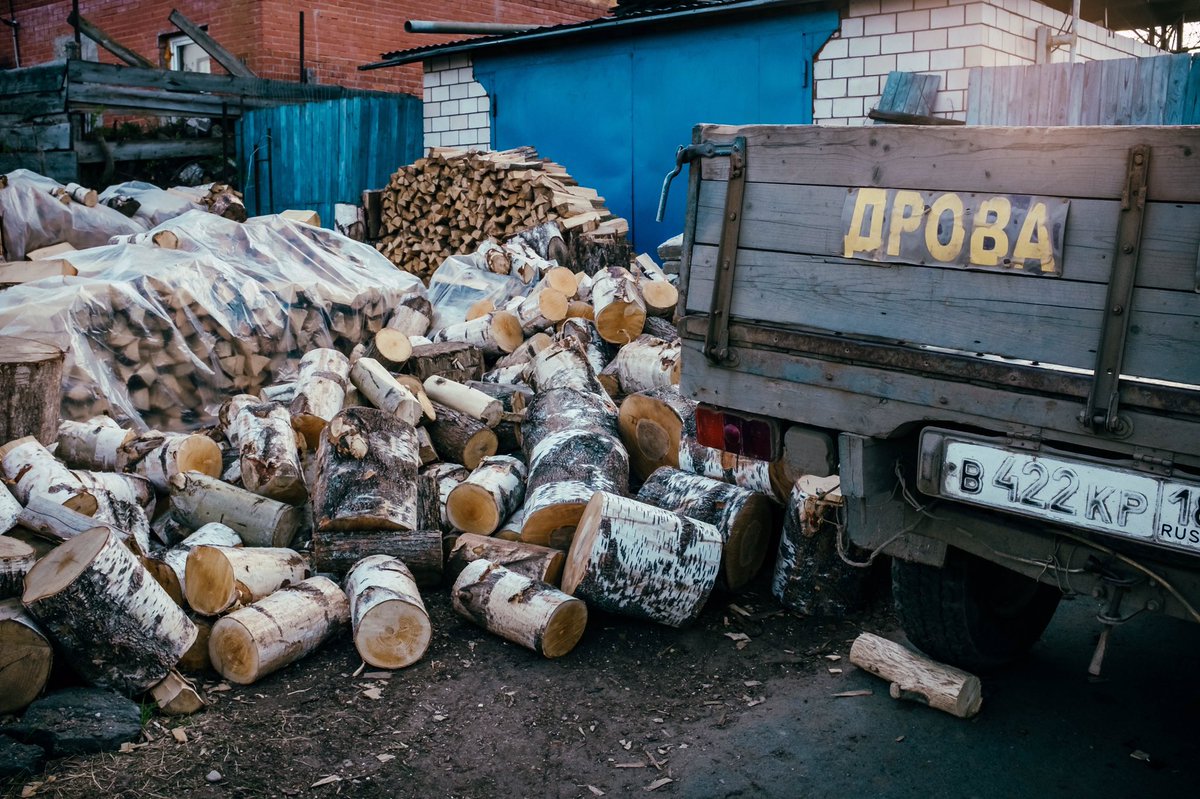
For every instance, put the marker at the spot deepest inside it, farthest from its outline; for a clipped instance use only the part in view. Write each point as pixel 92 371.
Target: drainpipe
pixel 485 28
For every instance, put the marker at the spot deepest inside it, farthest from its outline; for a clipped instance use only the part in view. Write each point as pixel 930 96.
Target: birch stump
pixel 320 392
pixel 26 657
pixel 220 578
pixel 643 364
pixel 743 518
pixel 30 389
pixel 635 559
pixel 617 305
pixel 270 453
pixel 366 473
pixel 461 439
pixel 280 629
pixel 169 566
pixel 494 490
pixel 117 626
pixel 94 444
pixel 383 391
pixel 519 609
pixel 918 678
pixel 543 564
pixel 335 552
pixel 390 623
pixel 198 499
pixel 159 457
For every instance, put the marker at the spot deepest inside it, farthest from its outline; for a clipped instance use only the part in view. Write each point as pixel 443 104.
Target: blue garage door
pixel 613 112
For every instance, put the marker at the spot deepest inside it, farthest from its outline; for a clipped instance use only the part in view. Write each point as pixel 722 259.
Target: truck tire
pixel 971 613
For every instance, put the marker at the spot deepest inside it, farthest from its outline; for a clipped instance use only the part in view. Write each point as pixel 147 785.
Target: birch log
pixel 643 364
pixel 366 473
pixel 540 310
pixel 749 473
pixel 258 639
pixel 229 411
pixel 495 334
pixel 566 469
pixel 543 564
pixel 168 567
pixel 116 624
pixel 515 374
pixel 198 499
pixel 743 518
pixel 513 400
pixel 511 529
pixel 320 392
pixel 415 387
pixel 390 348
pixel 619 311
pixel 447 476
pixel 94 444
pixel 31 375
pixel 47 518
pixel 465 400
pixel 657 292
pixel 335 552
pixel 16 559
pixel 564 364
pixel 490 495
pixel 553 411
pixel 598 351
pixel 159 457
pixel 918 678
pixel 383 391
pixel 270 453
pixel 661 328
pixel 10 510
pixel 26 657
pixel 31 470
pixel 561 279
pixel 524 353
pixel 220 578
pixel 412 316
pixel 532 614
pixel 635 559
pixel 460 438
pixel 390 623
pixel 131 489
pixel 196 658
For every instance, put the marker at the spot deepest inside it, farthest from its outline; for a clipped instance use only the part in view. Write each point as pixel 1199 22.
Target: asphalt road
pixel 1046 728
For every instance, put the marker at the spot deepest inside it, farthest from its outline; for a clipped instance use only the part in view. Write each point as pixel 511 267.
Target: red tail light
pixel 752 436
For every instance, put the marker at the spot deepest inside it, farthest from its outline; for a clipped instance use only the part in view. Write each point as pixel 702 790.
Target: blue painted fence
pixel 313 155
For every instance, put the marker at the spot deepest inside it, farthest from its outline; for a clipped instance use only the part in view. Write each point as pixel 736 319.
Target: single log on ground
pixel 168 566
pixel 446 476
pixel 453 360
pixel 519 609
pixel 810 576
pixel 391 348
pixel 198 499
pixel 524 353
pixel 366 473
pixel 320 392
pixel 31 470
pixel 564 364
pixel 643 364
pixel 635 559
pixel 490 495
pixel 30 389
pixel 336 551
pixel 220 578
pixel 161 456
pixel 566 469
pixel 258 639
pixel 383 391
pixel 496 333
pixel 538 563
pixel 461 439
pixel 175 695
pixel 16 559
pixel 553 411
pixel 918 678
pixel 94 444
pixel 391 626
pixel 26 657
pixel 620 313
pixel 270 453
pixel 472 402
pixel 117 626
pixel 743 518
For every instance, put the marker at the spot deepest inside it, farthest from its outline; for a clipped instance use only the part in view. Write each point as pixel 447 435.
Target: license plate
pixel 1107 499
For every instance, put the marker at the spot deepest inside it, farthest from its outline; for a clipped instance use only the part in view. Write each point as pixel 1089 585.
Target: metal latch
pixel 716 340
pixel 1101 412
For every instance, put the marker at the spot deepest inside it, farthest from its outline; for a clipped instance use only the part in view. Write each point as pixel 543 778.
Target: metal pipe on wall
pixel 303 74
pixel 486 28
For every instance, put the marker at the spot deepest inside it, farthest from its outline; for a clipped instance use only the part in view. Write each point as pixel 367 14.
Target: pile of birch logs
pixel 452 200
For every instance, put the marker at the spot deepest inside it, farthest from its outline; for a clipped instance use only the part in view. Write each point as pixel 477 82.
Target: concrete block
pixel 912 62
pixel 834 87
pixel 864 46
pixel 848 68
pixel 896 43
pixel 879 24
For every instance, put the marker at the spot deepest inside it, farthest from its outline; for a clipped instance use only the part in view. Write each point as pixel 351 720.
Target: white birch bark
pixel 10 510
pixel 320 392
pixel 535 562
pixel 647 363
pixel 165 455
pixel 270 448
pixel 472 402
pixel 524 353
pixel 918 678
pixel 383 391
pixel 495 334
pixel 512 375
pixel 747 472
pixel 260 521
pixel 617 305
pixel 16 559
pixel 564 364
pixel 26 660
pixel 169 566
pixel 565 470
pixel 447 476
pixel 391 625
pixel 31 470
pixel 94 444
pixel 218 578
pixel 493 491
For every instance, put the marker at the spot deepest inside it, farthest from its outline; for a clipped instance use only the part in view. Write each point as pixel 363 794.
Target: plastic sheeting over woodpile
pixel 32 217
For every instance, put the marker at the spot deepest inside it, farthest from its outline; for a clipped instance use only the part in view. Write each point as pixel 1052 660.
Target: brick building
pixel 339 34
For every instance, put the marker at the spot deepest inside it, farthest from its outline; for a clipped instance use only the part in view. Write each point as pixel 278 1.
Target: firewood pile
pixel 451 201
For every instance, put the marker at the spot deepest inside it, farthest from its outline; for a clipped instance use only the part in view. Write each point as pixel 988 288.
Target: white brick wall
pixel 942 37
pixel 457 110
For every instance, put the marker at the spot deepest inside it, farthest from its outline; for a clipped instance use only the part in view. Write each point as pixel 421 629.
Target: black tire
pixel 971 613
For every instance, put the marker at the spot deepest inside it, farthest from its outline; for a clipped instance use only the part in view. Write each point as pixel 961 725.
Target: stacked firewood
pixel 451 201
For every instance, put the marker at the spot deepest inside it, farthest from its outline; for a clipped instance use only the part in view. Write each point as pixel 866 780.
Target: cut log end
pixel 393 634
pixel 620 322
pixel 199 454
pixel 63 565
pixel 564 629
pixel 210 580
pixel 506 330
pixel 233 652
pixel 471 509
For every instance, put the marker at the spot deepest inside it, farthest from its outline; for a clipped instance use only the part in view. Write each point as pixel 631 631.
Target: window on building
pixel 184 55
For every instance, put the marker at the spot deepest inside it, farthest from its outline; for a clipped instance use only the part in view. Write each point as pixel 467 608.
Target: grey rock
pixel 78 721
pixel 214 776
pixel 18 759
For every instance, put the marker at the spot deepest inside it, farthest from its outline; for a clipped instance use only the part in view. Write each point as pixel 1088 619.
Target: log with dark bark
pixel 117 626
pixel 460 439
pixel 320 392
pixel 661 328
pixel 539 563
pixel 390 623
pixel 30 389
pixel 556 410
pixel 26 657
pixel 482 502
pixel 453 360
pixel 16 559
pixel 217 579
pixel 635 559
pixel 565 470
pixel 336 551
pixel 918 678
pixel 270 452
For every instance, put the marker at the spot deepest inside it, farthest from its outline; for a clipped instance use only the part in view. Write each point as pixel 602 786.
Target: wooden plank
pixel 807 220
pixel 45 78
pixel 82 96
pixel 1075 94
pixel 1127 69
pixel 34 104
pixel 1058 99
pixel 97 35
pixel 53 136
pixel 1058 162
pixel 1090 99
pixel 977 86
pixel 93 153
pixel 1191 105
pixel 1110 91
pixel 1176 87
pixel 1049 321
pixel 58 164
pixel 208 44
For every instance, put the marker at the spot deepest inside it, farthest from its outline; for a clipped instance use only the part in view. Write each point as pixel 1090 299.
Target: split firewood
pixel 495 334
pixel 116 624
pixel 460 438
pixel 619 310
pixel 453 360
pixel 583 286
pixel 27 657
pixel 412 316
pixel 565 470
pixel 641 365
pixel 367 467
pixel 918 678
pixel 16 559
pixel 383 391
pixel 519 609
pixel 176 696
pixel 168 566
pixel 166 239
pixel 743 518
pixel 198 499
pixel 159 457
pixel 389 347
pixel 219 578
pixel 543 564
pixel 446 476
pixel 415 387
pixel 258 639
pixel 94 444
pixel 524 353
pixel 471 402
pixel 270 452
pixel 390 623
pixel 320 392
pixel 425 447
pixel 635 559
pixel 31 471
pixel 494 490
pixel 336 551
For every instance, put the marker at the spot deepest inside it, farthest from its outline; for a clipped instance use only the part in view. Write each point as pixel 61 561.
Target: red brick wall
pixel 339 34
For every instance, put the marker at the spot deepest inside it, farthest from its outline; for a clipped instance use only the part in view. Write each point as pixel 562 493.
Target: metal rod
pixel 430 26
pixel 303 76
pixel 78 40
pixel 16 26
pixel 270 173
pixel 1074 31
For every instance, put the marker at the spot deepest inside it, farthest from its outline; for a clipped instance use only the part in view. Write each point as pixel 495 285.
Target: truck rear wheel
pixel 971 613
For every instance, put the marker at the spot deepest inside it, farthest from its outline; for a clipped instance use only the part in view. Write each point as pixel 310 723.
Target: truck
pixel 991 334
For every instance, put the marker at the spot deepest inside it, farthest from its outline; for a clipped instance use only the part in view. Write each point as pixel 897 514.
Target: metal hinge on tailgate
pixel 716 340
